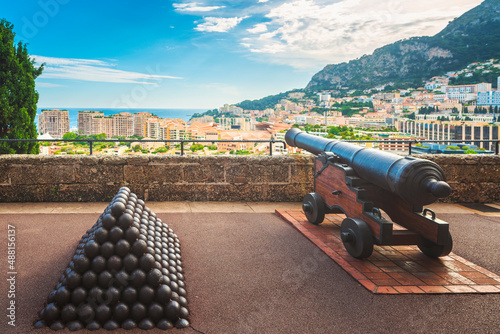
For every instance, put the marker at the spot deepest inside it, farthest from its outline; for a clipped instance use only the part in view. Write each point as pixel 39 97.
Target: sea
pixel 184 114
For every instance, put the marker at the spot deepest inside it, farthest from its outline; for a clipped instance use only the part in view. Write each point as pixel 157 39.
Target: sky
pixel 204 53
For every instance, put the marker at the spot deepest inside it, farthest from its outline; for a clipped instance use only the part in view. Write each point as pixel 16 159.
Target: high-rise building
pixel 94 122
pixel 89 122
pixel 54 122
pixel 140 123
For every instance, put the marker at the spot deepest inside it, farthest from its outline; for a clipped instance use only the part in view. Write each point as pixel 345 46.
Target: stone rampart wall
pixel 24 178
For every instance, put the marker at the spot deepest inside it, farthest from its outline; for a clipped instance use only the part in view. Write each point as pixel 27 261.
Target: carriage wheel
pixel 357 237
pixel 314 208
pixel 431 249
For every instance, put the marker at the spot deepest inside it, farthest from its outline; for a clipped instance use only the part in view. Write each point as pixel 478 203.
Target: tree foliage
pixel 18 97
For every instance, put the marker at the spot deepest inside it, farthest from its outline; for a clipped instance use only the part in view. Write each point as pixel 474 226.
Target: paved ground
pixel 248 271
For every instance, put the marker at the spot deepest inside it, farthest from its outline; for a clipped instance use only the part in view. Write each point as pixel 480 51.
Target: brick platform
pixel 396 269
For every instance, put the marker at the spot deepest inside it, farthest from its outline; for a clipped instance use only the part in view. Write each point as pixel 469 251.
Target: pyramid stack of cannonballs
pixel 126 273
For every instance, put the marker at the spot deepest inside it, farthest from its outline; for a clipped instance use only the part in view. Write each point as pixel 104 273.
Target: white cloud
pixel 312 33
pixel 194 7
pixel 219 24
pixel 93 70
pixel 263 0
pixel 47 85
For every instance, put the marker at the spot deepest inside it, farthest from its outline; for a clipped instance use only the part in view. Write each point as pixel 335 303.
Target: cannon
pixel 381 194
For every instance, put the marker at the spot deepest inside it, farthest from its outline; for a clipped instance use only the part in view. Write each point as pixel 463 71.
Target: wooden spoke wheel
pixel 314 208
pixel 431 249
pixel 357 237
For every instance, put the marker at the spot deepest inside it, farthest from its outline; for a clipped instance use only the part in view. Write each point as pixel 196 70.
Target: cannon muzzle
pixel 418 181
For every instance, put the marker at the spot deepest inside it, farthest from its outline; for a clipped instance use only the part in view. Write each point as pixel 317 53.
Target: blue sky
pixel 204 53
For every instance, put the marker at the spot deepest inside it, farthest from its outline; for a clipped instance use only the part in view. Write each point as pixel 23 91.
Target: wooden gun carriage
pixel 362 183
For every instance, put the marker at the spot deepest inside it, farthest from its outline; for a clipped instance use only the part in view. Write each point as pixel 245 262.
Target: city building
pixel 94 122
pixel 491 98
pixel 54 122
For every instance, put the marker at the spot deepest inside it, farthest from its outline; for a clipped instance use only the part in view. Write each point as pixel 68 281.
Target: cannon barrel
pixel 418 181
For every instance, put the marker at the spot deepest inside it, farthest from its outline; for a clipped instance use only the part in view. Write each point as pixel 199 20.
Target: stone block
pixel 41 174
pixel 207 173
pixel 99 174
pixel 303 173
pixel 257 173
pixel 151 174
pixel 177 192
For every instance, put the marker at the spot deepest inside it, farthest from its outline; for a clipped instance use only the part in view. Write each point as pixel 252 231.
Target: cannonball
pixel 155 312
pixel 146 294
pixel 183 301
pixel 172 310
pixel 183 312
pixel 117 209
pixel 154 278
pixel 163 293
pixel 122 279
pixel 86 313
pixel 146 262
pixel 166 279
pixel 130 262
pixel 179 269
pixel 140 201
pixel 114 263
pixel 98 264
pixel 115 234
pixel 101 235
pixel 128 211
pixel 180 277
pixel 63 296
pixel 138 312
pixel 82 263
pixel 146 324
pixel 111 325
pixel 107 249
pixel 125 220
pixel 182 323
pixel 95 295
pixel 73 280
pixel 125 190
pixel 181 284
pixel 93 326
pixel 120 312
pixel 102 313
pixel 129 324
pixel 138 278
pixel 40 324
pixel 181 292
pixel 89 280
pixel 91 249
pixel 122 248
pixel 41 313
pixel 78 296
pixel 111 296
pixel 74 326
pixel 108 222
pixel 164 324
pixel 132 234
pixel 175 296
pixel 129 295
pixel 51 313
pixel 104 279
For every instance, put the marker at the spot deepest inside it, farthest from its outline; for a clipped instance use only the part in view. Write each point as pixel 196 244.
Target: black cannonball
pixel 73 280
pixel 173 277
pixel 166 279
pixel 63 296
pixel 115 234
pixel 98 264
pixel 147 262
pixel 154 278
pixel 91 249
pixel 86 313
pixel 122 248
pixel 120 312
pixel 129 324
pixel 155 312
pixel 132 234
pixel 104 279
pixel 93 326
pixel 180 277
pixel 157 257
pixel 108 222
pixel 146 324
pixel 129 295
pixel 174 286
pixel 140 202
pixel 181 284
pixel 182 323
pixel 111 296
pixel 142 237
pixel 146 295
pixel 101 235
pixel 125 221
pixel 78 296
pixel 82 263
pixel 172 270
pixel 172 310
pixel 128 211
pixel 51 313
pixel 179 269
pixel 164 324
pixel 125 190
pixel 138 278
pixel 40 324
pixel 102 313
pixel 41 313
pixel 111 325
pixel 122 279
pixel 89 280
pixel 183 312
pixel 138 312
pixel 74 326
pixel 117 209
pixel 114 263
pixel 95 295
pixel 130 262
pixel 175 296
pixel 183 301
pixel 107 249
pixel 163 293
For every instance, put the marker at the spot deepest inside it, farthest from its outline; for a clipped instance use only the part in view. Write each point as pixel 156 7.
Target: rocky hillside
pixel 474 36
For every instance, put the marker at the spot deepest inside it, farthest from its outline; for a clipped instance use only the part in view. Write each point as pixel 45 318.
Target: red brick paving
pixel 396 269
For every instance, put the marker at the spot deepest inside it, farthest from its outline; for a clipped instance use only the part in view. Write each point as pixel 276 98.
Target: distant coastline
pixel 184 114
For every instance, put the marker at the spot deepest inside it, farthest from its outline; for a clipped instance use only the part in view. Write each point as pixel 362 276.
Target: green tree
pixel 18 97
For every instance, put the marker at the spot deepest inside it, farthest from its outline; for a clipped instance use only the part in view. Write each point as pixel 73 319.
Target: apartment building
pixel 140 123
pixel 94 122
pixel 491 98
pixel 464 93
pixel 54 122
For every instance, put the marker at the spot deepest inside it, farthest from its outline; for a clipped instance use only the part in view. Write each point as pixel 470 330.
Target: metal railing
pixel 181 141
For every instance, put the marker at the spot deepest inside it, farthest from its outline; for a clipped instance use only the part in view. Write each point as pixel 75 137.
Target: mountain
pixel 474 36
